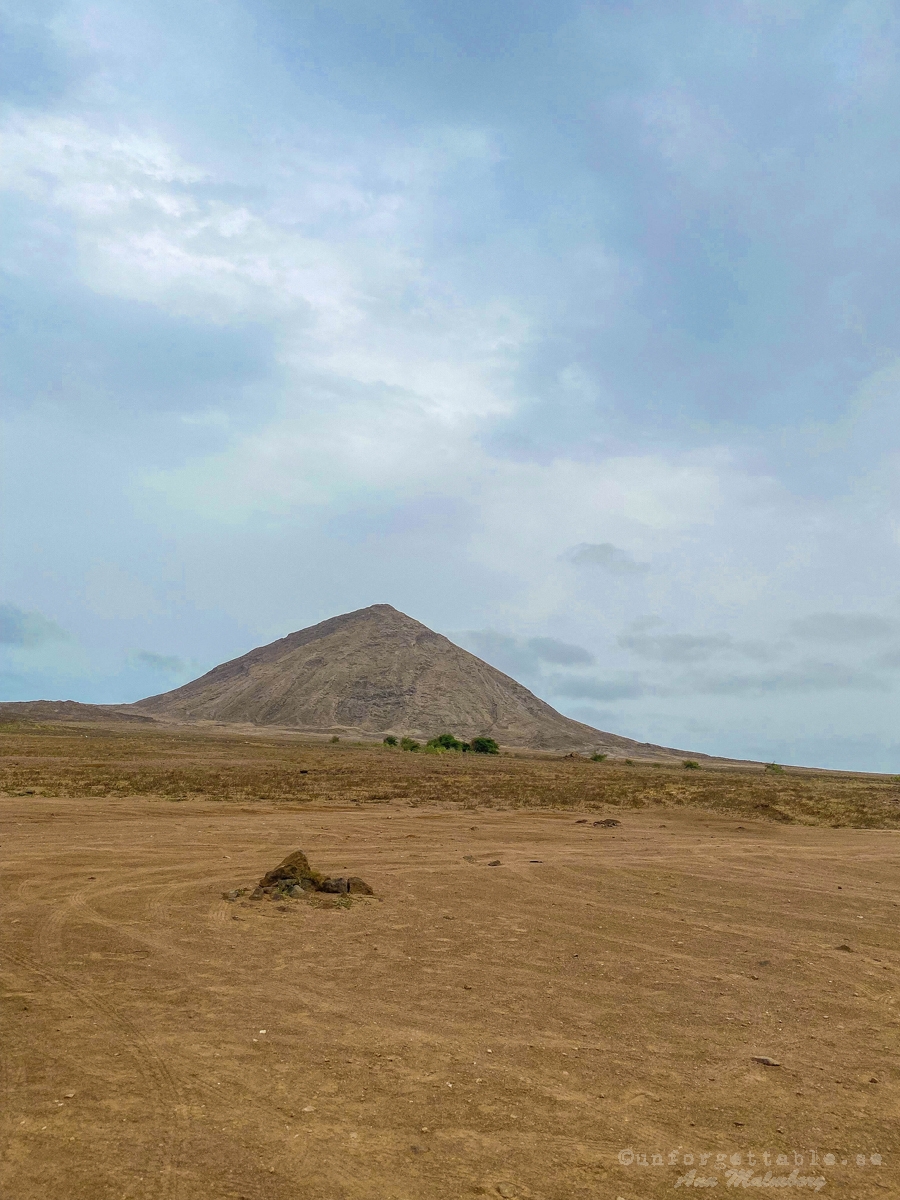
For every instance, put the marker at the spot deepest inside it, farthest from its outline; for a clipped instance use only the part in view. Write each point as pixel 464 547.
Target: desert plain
pixel 531 1005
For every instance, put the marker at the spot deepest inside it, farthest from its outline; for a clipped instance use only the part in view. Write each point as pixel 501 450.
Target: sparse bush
pixel 485 745
pixel 335 738
pixel 408 743
pixel 599 757
pixel 444 741
pixel 629 762
pixel 390 740
pixel 774 768
pixel 690 765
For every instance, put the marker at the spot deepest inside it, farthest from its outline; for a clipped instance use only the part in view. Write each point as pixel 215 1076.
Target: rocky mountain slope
pixel 378 671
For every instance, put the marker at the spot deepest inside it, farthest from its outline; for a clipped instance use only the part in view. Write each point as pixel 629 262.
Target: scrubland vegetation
pixel 184 763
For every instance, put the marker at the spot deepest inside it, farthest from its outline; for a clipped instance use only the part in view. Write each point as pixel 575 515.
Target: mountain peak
pixel 375 671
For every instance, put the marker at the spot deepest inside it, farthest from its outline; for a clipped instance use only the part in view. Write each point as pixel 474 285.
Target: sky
pixel 569 329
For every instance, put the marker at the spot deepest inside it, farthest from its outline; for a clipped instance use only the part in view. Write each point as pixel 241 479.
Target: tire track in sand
pixel 149 1063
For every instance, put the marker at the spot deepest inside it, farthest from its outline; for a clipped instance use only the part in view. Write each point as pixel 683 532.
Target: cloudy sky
pixel 570 329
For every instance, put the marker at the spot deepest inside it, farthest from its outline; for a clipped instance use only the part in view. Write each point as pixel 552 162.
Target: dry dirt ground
pixel 473 1030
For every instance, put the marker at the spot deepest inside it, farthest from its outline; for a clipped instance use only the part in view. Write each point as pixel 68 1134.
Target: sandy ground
pixel 503 1031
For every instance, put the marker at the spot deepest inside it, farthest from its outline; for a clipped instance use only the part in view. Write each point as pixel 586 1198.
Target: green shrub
pixel 444 741
pixel 485 745
pixel 599 757
pixel 408 743
pixel 629 762
pixel 390 740
pixel 774 768
pixel 690 765
pixel 335 738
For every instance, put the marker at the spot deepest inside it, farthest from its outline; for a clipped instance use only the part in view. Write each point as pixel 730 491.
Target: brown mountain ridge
pixel 377 671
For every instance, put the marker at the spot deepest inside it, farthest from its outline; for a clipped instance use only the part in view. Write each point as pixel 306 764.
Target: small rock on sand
pixel 339 885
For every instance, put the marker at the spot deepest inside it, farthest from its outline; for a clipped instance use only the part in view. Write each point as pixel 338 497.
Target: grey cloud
pixel 642 624
pixel 599 689
pixel 687 647
pixel 604 554
pixel 36 70
pixel 20 628
pixel 523 656
pixel 676 647
pixel 65 340
pixel 498 649
pixel 562 653
pixel 164 663
pixel 844 628
pixel 805 677
pixel 589 715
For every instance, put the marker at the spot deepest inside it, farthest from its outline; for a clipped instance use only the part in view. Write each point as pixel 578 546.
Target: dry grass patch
pixel 187 763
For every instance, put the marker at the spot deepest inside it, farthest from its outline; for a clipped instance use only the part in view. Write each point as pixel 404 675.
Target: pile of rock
pixel 295 878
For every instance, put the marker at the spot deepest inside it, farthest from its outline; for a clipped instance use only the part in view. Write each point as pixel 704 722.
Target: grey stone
pixel 338 885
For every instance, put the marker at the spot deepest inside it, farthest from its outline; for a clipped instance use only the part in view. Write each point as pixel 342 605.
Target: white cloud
pixel 388 378
pixel 94 173
pixel 353 304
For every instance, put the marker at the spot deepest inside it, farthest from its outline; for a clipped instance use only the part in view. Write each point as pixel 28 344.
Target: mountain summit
pixel 377 671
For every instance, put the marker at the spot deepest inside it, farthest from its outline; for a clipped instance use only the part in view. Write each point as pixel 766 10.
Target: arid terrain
pixel 527 997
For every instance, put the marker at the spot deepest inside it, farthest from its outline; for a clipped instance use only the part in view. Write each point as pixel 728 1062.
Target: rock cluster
pixel 295 877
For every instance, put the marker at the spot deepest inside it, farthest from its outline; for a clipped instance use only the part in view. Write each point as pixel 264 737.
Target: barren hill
pixel 377 671
pixel 65 712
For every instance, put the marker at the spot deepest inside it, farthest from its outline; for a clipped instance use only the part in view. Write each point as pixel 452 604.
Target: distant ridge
pixel 56 711
pixel 377 671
